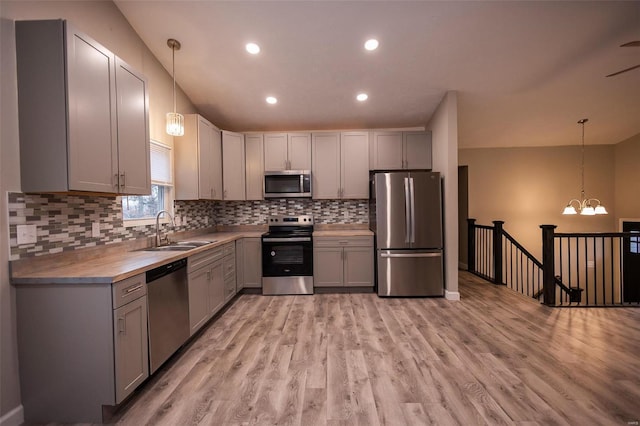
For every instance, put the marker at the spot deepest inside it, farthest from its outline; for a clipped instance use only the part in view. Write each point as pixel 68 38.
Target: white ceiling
pixel 525 72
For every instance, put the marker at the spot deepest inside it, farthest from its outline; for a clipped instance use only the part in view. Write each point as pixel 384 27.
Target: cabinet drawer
pixel 127 290
pixel 229 266
pixel 229 288
pixel 229 248
pixel 199 260
pixel 359 241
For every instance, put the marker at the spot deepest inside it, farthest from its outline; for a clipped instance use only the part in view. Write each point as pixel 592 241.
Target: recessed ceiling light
pixel 271 100
pixel 371 44
pixel 252 48
pixel 362 97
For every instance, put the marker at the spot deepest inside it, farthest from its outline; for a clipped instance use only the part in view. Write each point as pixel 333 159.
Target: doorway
pixel 631 264
pixel 463 214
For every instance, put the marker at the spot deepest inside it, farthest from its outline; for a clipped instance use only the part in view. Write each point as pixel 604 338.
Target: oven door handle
pixel 287 240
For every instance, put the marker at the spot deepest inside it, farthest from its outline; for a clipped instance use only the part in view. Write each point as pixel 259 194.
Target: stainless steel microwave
pixel 287 184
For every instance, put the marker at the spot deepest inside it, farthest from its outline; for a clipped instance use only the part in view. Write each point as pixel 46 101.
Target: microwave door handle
pixel 301 182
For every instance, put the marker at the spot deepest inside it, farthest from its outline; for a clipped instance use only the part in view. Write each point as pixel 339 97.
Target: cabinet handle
pixel 124 182
pixel 132 289
pixel 122 326
pixel 116 179
pixel 343 242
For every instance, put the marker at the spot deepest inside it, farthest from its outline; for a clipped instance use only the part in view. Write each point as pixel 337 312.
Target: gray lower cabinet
pixel 239 264
pixel 82 346
pixel 210 274
pixel 206 286
pixel 343 261
pixel 130 346
pixel 252 264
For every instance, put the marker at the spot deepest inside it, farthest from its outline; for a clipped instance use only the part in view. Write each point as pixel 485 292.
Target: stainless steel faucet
pixel 159 239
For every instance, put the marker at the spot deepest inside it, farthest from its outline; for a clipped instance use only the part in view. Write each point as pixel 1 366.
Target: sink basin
pixel 171 247
pixel 180 246
pixel 195 243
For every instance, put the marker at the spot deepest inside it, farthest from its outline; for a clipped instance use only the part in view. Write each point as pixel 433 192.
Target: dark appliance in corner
pixel 287 256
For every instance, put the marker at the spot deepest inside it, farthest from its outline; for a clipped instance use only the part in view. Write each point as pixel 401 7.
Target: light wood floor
pixel 493 358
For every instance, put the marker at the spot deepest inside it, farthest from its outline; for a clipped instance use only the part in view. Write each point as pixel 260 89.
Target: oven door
pixel 287 257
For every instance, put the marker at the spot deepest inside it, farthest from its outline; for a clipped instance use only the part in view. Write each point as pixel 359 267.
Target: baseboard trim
pixel 463 266
pixel 451 295
pixel 14 417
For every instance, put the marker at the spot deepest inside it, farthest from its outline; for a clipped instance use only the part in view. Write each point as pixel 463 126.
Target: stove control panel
pixel 303 220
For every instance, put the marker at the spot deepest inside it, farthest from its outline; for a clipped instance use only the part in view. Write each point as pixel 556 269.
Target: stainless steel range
pixel 287 256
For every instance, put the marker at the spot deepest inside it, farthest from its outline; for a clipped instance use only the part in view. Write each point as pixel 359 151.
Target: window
pixel 145 207
pixel 634 244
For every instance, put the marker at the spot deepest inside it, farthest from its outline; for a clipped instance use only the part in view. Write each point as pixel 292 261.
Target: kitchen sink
pixel 171 247
pixel 180 246
pixel 195 243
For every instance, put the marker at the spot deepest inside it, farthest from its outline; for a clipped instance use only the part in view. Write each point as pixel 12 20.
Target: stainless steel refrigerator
pixel 406 216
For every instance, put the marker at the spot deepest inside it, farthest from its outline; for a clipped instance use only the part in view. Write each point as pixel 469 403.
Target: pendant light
pixel 175 121
pixel 585 206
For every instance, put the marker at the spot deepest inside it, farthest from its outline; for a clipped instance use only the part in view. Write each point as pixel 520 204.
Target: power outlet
pixel 206 220
pixel 177 220
pixel 27 234
pixel 95 229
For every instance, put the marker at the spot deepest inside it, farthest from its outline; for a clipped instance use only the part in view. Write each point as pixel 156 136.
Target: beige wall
pixel 102 21
pixel 444 128
pixel 527 187
pixel 627 179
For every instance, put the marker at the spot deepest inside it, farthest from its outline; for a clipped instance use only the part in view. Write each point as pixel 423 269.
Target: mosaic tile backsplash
pixel 64 221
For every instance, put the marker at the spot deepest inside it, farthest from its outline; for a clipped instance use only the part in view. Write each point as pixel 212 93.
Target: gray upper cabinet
pixel 198 160
pixel 233 166
pixel 287 151
pixel 254 166
pixel 396 150
pixel 69 91
pixel 340 165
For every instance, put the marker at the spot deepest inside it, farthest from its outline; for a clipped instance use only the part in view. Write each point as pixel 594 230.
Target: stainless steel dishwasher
pixel 168 300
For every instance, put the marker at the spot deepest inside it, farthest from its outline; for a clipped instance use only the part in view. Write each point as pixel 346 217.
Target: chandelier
pixel 175 121
pixel 585 206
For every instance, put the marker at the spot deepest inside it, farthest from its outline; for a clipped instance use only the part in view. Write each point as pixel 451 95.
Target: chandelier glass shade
pixel 585 206
pixel 175 121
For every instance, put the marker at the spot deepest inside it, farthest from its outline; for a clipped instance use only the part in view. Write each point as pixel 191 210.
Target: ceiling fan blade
pixel 624 70
pixel 635 43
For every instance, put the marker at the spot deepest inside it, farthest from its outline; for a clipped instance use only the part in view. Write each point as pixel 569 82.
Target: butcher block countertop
pixel 110 266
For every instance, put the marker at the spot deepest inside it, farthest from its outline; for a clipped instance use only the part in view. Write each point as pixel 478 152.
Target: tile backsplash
pixel 64 222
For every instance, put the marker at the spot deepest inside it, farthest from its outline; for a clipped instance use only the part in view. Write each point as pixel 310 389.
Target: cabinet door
pixel 216 163
pixel 93 144
pixel 326 165
pixel 417 150
pixel 239 264
pixel 233 166
pixel 299 151
pixel 130 347
pixel 275 152
pixel 205 159
pixel 133 131
pixel 216 287
pixel 327 267
pixel 387 151
pixel 358 266
pixel 354 154
pixel 254 171
pixel 252 263
pixel 198 284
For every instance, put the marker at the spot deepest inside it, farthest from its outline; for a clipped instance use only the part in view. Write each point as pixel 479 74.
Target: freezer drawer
pixel 410 273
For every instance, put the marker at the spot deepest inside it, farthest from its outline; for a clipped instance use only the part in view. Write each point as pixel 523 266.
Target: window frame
pixel 169 194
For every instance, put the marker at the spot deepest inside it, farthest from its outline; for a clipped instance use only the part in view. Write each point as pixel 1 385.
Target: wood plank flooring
pixel 495 357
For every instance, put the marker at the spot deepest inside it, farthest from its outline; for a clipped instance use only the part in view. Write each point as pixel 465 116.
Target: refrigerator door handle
pixel 387 255
pixel 413 211
pixel 407 211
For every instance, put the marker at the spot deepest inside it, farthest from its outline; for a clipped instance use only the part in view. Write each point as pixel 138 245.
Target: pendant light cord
pixel 584 120
pixel 173 71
